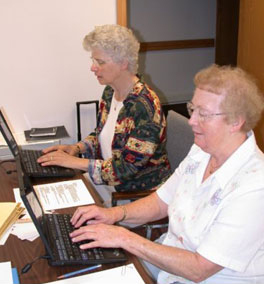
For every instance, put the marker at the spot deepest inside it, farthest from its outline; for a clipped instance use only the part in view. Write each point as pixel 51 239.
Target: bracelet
pixel 124 213
pixel 79 149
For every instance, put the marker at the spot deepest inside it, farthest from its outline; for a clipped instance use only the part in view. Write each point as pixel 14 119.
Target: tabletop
pixel 21 252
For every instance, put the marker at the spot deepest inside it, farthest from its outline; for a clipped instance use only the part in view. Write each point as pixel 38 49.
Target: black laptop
pixel 54 232
pixel 29 157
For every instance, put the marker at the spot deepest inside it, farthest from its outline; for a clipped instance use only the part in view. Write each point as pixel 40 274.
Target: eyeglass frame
pixel 98 62
pixel 202 117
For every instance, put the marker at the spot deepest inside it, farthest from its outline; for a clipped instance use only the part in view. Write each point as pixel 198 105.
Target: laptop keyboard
pixel 60 228
pixel 35 169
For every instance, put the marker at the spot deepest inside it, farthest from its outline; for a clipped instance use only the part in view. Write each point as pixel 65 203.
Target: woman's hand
pixel 59 158
pixel 72 150
pixel 98 228
pixel 93 214
pixel 100 235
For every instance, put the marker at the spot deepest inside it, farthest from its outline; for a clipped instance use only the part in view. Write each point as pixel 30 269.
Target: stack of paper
pixel 10 212
pixel 25 231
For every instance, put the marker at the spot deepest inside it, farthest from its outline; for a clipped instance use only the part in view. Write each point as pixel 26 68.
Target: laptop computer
pixel 29 157
pixel 54 232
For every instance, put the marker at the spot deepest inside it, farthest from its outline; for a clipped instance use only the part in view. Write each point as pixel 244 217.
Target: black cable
pixel 28 266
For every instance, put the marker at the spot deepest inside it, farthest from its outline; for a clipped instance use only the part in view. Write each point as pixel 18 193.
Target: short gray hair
pixel 117 41
pixel 242 95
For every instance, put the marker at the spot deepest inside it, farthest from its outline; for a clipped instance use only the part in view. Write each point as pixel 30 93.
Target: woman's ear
pixel 124 64
pixel 237 124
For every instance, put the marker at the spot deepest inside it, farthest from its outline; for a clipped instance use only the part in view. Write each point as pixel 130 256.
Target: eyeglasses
pixel 98 62
pixel 203 115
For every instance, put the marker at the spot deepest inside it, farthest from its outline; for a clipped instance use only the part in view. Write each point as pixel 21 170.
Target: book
pixel 45 131
pixel 10 212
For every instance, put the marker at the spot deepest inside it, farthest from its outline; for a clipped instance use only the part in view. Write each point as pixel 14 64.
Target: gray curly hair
pixel 242 95
pixel 117 41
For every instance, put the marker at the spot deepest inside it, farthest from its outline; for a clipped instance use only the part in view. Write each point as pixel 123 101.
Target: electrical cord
pixel 28 266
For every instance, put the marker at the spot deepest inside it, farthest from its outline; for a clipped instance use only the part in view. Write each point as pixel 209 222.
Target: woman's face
pixel 104 68
pixel 211 131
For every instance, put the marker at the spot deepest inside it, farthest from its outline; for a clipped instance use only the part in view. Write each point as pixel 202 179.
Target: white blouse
pixel 107 134
pixel 221 218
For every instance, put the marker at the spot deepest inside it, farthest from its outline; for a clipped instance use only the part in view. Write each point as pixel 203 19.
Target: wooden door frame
pixel 161 45
pixel 225 41
pixel 121 12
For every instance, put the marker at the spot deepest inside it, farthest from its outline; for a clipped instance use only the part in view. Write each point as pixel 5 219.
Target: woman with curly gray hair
pixel 127 150
pixel 214 199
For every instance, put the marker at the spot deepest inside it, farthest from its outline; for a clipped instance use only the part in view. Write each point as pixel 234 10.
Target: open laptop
pixel 54 232
pixel 29 157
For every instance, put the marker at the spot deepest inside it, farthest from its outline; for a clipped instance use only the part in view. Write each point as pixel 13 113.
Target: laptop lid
pixel 8 136
pixel 30 165
pixel 32 203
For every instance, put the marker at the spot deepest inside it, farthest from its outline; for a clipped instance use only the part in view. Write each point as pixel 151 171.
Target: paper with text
pixel 63 194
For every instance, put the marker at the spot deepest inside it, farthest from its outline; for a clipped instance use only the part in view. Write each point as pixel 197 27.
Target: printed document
pixel 63 194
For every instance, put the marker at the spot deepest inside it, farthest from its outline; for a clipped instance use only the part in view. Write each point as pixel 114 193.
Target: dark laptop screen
pixel 8 136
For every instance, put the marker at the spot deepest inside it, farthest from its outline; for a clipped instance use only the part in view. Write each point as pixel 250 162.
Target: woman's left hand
pixel 58 158
pixel 100 235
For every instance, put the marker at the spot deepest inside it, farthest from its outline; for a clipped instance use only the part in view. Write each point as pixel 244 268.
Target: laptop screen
pixel 31 202
pixel 8 136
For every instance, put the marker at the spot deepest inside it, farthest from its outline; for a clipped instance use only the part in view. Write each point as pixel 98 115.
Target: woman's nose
pixel 94 67
pixel 193 119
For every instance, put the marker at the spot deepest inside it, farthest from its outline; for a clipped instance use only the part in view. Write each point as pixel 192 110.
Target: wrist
pixel 124 213
pixel 78 149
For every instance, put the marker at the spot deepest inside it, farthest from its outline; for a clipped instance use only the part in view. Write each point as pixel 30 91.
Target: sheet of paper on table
pixel 63 194
pixel 127 274
pixel 6 272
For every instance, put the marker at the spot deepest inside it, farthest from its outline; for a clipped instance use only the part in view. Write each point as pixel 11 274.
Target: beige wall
pixel 44 69
pixel 251 48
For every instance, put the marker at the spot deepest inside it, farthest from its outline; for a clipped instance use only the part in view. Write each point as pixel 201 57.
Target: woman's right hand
pixel 72 150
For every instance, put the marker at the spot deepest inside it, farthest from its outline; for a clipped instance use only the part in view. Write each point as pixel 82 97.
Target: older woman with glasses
pixel 127 150
pixel 214 199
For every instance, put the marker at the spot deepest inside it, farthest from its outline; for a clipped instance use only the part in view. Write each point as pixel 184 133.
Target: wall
pixel 251 48
pixel 44 70
pixel 171 72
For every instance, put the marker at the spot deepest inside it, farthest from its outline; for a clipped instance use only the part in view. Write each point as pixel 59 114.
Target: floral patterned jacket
pixel 139 159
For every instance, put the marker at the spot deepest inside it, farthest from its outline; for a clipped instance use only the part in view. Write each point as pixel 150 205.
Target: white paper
pixel 63 194
pixel 127 274
pixel 5 236
pixel 6 273
pixel 25 231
